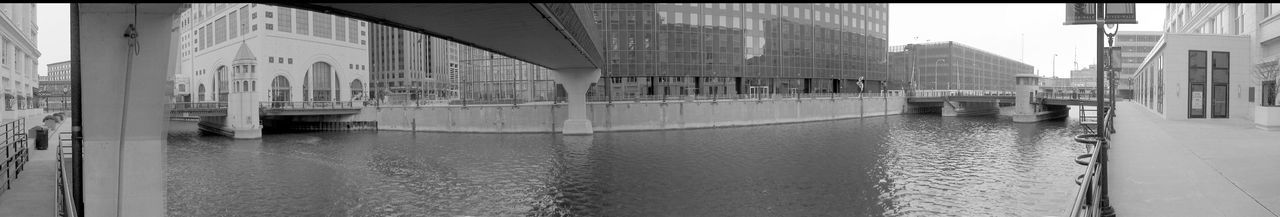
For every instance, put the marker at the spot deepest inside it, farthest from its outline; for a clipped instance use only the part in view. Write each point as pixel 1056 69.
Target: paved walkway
pixel 1192 168
pixel 34 193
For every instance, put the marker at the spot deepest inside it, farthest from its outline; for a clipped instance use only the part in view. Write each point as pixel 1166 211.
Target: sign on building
pixel 1116 13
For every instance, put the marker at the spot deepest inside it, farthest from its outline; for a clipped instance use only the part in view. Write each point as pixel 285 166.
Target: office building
pixel 298 55
pixel 1134 46
pixel 489 78
pixel 54 93
pixel 19 58
pixel 407 64
pixel 1203 66
pixel 951 65
pixel 730 48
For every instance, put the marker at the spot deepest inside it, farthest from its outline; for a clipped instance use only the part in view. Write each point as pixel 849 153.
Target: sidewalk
pixel 33 194
pixel 1192 168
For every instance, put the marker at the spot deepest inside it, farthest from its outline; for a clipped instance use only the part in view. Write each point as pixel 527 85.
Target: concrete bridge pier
pixel 121 111
pixel 576 82
pixel 1025 111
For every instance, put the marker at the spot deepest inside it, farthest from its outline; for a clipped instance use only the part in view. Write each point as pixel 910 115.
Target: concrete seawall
pixel 630 116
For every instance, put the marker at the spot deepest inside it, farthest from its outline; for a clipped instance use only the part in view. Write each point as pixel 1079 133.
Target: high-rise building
pixel 19 59
pixel 398 61
pixel 1086 77
pixel 952 66
pixel 54 93
pixel 299 54
pixel 731 48
pixel 1134 46
pixel 491 78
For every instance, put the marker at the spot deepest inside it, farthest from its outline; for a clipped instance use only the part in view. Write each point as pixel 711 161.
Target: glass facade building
pixel 489 78
pixel 954 66
pixel 724 48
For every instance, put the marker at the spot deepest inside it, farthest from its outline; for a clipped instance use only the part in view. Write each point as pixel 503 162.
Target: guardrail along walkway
pixel 34 192
pixel 1196 167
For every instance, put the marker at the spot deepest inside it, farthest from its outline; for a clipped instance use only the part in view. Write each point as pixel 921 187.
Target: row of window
pixel 795 11
pixel 279 60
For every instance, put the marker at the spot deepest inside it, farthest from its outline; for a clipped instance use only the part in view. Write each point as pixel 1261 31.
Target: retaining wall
pixel 628 116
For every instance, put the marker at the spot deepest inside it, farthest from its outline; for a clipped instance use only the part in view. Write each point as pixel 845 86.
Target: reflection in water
pixel 909 165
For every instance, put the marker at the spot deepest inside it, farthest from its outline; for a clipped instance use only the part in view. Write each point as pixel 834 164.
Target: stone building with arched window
pixel 299 54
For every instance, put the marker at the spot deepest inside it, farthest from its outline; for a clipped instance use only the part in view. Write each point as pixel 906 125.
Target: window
pixel 269 13
pixel 304 22
pixel 279 89
pixel 285 20
pixel 290 60
pixel 323 25
pixel 271 60
pixel 268 26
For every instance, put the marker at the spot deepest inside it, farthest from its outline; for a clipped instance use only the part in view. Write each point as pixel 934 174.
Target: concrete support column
pixel 949 109
pixel 123 179
pixel 576 82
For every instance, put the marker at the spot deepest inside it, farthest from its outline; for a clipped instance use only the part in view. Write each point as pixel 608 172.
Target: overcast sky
pixel 1001 29
pixel 1028 32
pixel 54 36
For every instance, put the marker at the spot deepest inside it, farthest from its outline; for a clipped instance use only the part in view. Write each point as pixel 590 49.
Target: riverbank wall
pixel 633 116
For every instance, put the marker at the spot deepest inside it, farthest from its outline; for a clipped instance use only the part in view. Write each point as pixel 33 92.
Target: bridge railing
pixel 197 105
pixel 942 93
pixel 720 97
pixel 310 105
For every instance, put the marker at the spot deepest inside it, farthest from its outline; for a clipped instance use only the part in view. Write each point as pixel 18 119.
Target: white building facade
pixel 19 65
pixel 1225 41
pixel 300 55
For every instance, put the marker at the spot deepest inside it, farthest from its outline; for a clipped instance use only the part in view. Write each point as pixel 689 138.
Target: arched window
pixel 321 83
pixel 356 89
pixel 280 89
pixel 201 95
pixel 222 84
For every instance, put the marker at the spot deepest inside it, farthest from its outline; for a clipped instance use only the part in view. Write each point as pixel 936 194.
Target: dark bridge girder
pixel 556 36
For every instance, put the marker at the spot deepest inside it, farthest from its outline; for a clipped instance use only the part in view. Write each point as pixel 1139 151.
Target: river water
pixel 905 165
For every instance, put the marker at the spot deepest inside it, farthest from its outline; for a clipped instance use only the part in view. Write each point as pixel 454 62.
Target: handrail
pixel 15 152
pixel 66 202
pixel 1091 196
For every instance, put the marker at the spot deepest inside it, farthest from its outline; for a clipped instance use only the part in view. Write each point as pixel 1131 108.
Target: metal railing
pixel 309 105
pixel 66 199
pixel 942 93
pixel 1091 198
pixel 16 153
pixel 732 97
pixel 197 105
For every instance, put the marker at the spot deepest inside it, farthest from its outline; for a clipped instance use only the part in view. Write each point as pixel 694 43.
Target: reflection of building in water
pixel 486 77
pixel 668 49
pixel 300 55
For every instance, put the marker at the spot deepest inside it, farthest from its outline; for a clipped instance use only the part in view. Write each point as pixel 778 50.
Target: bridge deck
pixel 1192 168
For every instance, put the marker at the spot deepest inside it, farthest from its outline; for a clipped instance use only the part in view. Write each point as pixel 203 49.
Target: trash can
pixel 42 137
